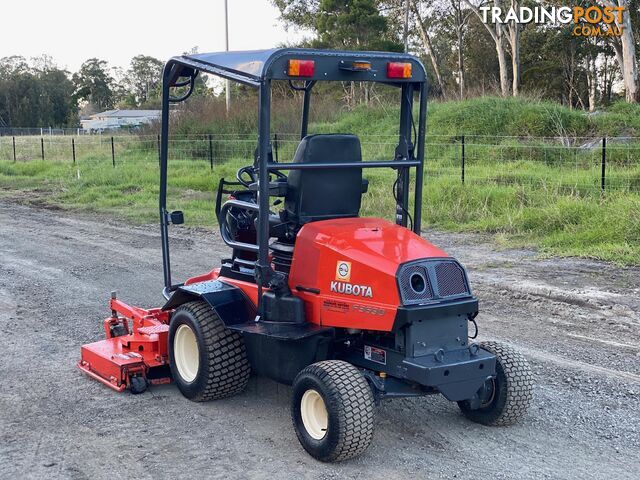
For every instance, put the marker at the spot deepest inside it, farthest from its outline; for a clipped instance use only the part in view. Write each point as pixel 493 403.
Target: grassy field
pixel 526 191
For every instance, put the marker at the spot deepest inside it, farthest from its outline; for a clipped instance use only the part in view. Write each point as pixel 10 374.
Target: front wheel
pixel 505 399
pixel 208 361
pixel 332 410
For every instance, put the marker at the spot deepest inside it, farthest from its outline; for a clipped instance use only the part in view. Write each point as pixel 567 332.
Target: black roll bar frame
pixel 405 159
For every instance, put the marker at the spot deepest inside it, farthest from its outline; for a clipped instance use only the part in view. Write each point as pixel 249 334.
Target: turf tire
pixel 513 389
pixel 349 404
pixel 223 368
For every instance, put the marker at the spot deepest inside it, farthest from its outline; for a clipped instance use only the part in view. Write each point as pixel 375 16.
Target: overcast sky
pixel 72 31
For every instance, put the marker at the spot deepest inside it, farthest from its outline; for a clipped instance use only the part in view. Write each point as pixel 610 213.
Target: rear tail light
pixel 398 70
pixel 301 68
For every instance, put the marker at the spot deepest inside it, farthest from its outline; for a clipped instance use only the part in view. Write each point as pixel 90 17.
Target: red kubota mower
pixel 347 310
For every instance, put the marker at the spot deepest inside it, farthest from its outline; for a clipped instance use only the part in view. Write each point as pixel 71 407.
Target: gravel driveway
pixel 577 321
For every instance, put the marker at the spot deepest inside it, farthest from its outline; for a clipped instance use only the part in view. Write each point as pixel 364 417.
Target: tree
pixel 592 50
pixel 19 93
pixel 343 24
pixel 56 101
pixel 43 63
pixel 625 48
pixel 460 18
pixel 481 63
pixel 608 74
pixel 353 24
pixel 513 36
pixel 144 78
pixel 497 33
pixel 347 24
pixel 549 60
pixel 35 96
pixel 94 84
pixel 298 13
pixel 425 38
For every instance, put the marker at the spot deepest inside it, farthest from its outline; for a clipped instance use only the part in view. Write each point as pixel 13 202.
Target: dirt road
pixel 577 321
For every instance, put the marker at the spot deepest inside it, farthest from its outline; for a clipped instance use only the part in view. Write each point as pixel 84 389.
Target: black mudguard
pixel 277 351
pixel 228 301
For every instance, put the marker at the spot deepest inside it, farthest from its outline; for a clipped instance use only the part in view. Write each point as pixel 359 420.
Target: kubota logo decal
pixel 343 271
pixel 350 289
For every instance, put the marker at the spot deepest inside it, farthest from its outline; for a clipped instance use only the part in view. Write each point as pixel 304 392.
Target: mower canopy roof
pixel 256 66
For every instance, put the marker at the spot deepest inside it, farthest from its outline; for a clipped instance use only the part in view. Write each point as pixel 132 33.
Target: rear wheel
pixel 332 410
pixel 505 399
pixel 207 360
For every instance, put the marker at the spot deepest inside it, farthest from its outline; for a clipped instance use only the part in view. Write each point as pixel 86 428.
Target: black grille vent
pixel 408 293
pixel 432 279
pixel 450 279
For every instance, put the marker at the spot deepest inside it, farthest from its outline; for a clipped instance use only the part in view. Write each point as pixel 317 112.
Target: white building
pixel 112 119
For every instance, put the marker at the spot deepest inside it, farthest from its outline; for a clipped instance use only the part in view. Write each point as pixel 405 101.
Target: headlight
pixel 418 283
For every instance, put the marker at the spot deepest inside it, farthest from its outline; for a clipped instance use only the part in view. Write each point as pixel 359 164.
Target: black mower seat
pixel 321 194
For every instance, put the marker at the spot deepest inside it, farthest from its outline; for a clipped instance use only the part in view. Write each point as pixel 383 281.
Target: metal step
pixel 281 331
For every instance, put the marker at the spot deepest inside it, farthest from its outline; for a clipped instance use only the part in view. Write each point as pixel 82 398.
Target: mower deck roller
pixel 348 310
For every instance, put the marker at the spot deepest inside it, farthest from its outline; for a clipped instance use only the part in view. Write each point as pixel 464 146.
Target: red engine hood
pixel 368 241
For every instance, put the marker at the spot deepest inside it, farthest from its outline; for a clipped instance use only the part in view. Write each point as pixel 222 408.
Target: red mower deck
pixel 141 347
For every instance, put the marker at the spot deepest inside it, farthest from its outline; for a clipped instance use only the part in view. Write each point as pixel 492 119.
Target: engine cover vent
pixel 429 280
pixel 409 290
pixel 451 280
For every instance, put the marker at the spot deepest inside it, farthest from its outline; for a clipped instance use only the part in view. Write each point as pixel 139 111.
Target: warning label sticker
pixel 334 306
pixel 375 354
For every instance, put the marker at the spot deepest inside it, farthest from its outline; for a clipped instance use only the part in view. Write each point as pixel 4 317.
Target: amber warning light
pixel 398 70
pixel 361 66
pixel 301 68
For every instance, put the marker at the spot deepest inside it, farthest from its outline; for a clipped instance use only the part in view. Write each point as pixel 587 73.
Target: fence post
pixel 603 179
pixel 113 154
pixel 14 149
pixel 42 147
pixel 211 151
pixel 275 146
pixel 73 149
pixel 463 158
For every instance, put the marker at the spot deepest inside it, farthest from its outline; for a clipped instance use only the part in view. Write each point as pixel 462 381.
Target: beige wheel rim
pixel 186 353
pixel 314 414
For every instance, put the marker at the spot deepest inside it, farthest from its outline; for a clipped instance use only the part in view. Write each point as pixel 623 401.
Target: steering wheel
pixel 247 175
pixel 279 174
pixel 245 172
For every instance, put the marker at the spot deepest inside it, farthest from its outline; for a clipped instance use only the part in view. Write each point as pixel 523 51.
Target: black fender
pixel 228 301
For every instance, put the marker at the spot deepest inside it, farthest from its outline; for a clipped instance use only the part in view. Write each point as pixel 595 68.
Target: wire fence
pixel 42 131
pixel 565 164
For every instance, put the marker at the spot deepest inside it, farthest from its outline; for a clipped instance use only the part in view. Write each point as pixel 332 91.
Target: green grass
pixel 495 116
pixel 490 116
pixel 605 228
pixel 128 191
pixel 527 192
pixel 559 219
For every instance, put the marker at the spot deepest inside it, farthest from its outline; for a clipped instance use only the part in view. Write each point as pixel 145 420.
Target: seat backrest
pixel 320 194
